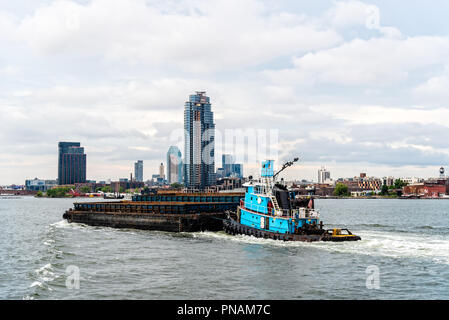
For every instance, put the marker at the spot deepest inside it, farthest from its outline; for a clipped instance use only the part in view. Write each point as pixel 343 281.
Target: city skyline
pixel 356 86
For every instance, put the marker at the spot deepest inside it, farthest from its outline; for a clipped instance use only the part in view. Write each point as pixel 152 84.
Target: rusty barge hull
pixel 145 221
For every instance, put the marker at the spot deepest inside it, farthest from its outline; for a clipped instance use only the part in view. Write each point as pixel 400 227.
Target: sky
pixel 356 86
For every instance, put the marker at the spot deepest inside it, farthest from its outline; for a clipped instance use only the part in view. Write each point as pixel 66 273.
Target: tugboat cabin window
pixel 258 189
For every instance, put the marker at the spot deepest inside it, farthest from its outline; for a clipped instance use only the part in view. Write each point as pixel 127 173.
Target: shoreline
pixel 378 198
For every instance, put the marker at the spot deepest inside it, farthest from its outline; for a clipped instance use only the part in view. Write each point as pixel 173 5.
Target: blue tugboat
pixel 270 211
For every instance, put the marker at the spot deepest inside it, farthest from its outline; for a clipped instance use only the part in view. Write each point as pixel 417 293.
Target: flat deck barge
pixel 164 211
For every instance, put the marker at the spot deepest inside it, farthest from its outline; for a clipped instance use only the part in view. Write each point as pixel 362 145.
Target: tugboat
pixel 270 211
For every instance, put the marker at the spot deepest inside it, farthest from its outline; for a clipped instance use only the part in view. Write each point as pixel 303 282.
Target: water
pixel 408 240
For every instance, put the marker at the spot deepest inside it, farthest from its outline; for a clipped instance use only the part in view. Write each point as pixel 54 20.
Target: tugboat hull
pixel 233 227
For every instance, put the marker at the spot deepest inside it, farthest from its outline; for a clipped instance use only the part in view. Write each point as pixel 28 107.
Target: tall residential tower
pixel 162 171
pixel 71 163
pixel 324 176
pixel 138 171
pixel 199 151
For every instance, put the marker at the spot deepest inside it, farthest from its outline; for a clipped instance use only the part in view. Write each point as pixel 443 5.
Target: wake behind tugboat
pixel 270 211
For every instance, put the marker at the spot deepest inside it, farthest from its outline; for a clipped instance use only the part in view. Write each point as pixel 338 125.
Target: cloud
pixel 9 71
pixel 368 115
pixel 434 90
pixel 350 14
pixel 7 25
pixel 204 37
pixel 374 147
pixel 157 94
pixel 373 62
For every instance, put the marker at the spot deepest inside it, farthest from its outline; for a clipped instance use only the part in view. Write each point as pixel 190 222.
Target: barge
pixel 164 211
pixel 270 211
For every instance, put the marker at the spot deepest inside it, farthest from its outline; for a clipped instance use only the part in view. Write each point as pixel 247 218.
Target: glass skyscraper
pixel 138 171
pixel 199 151
pixel 71 163
pixel 230 168
pixel 174 165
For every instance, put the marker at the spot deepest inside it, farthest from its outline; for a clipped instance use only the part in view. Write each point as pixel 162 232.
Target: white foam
pixel 46 273
pixel 45 268
pixel 36 283
pixel 61 224
pixel 375 243
pixel 49 242
pixel 432 247
pixel 247 239
pixel 64 224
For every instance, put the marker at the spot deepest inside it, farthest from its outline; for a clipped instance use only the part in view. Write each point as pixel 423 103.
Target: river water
pixel 404 254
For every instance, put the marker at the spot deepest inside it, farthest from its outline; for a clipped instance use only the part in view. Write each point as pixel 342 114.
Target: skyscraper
pixel 230 168
pixel 162 171
pixel 323 175
pixel 71 163
pixel 226 163
pixel 174 165
pixel 199 152
pixel 138 171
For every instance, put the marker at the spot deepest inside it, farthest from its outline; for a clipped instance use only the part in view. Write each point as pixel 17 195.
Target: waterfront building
pixel 174 165
pixel 427 189
pixel 352 184
pixel 39 184
pixel 199 147
pixel 138 170
pixel 370 184
pixel 388 181
pixel 324 176
pixel 229 183
pixel 125 184
pixel 412 180
pixel 71 163
pixel 237 170
pixel 157 180
pixel 230 168
pixel 220 173
pixel 227 161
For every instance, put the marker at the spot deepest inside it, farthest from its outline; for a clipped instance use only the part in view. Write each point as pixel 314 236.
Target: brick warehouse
pixel 426 189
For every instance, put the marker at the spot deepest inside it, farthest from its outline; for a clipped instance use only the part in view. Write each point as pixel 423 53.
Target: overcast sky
pixel 355 86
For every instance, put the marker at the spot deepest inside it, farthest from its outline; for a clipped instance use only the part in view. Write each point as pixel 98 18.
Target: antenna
pixel 285 166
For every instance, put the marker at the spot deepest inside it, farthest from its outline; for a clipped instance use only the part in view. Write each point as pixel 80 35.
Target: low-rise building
pixel 412 180
pixel 425 189
pixel 229 183
pixel 388 181
pixel 370 184
pixel 39 184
